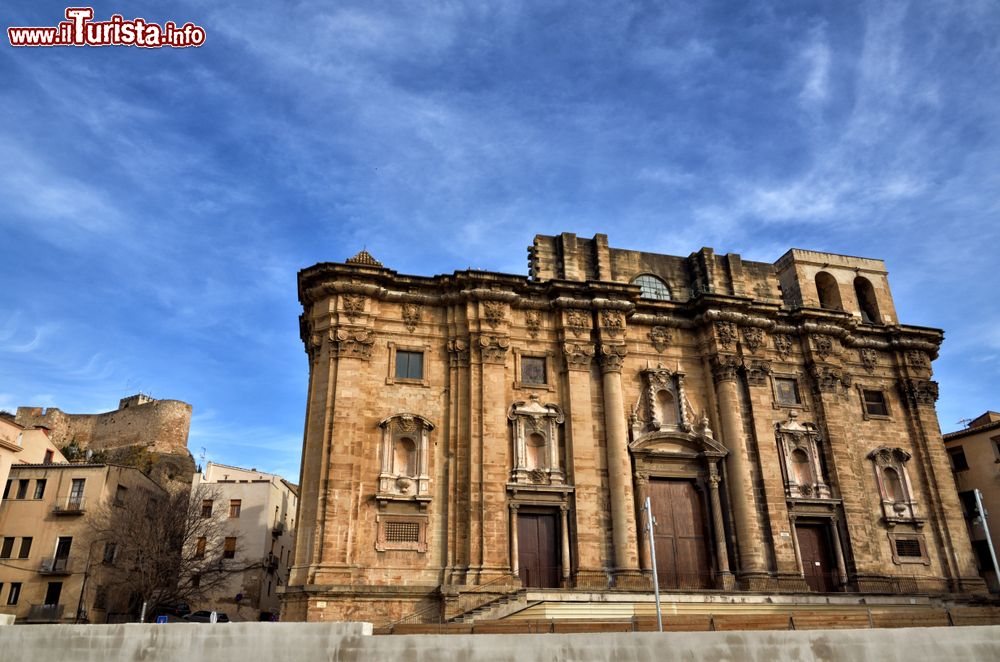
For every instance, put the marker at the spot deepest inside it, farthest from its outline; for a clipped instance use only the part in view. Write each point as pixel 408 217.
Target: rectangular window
pixel 76 491
pixel 25 548
pixel 6 489
pixel 908 548
pixel 120 494
pixel 196 581
pixel 787 391
pixel 15 593
pixel 6 547
pixel 199 549
pixel 229 550
pixel 110 551
pixel 101 597
pixel 39 488
pixel 206 508
pixel 409 365
pixel 52 593
pixel 958 461
pixel 48 457
pixel 22 488
pixel 968 501
pixel 875 403
pixel 234 507
pixel 533 370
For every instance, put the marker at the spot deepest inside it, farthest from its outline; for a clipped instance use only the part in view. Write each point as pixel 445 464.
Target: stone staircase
pixel 502 607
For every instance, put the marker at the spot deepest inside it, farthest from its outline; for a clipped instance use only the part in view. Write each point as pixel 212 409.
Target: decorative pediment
pixel 407 422
pixel 682 444
pixel 535 437
pixel 662 404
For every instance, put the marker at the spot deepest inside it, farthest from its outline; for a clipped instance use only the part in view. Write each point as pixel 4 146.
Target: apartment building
pixel 50 561
pixel 259 526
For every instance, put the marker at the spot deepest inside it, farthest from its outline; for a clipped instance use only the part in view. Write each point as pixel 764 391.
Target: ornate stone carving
pixel 899 504
pixel 612 323
pixel 920 391
pixel 661 338
pixel 800 447
pixel 458 351
pixel 753 338
pixel 661 404
pixel 826 379
pixel 725 332
pixel 533 322
pixel 724 367
pixel 493 312
pixel 405 477
pixel 917 359
pixel 578 356
pixel 757 372
pixel 354 305
pixel 869 357
pixel 611 357
pixel 578 322
pixel 354 344
pixel 823 345
pixel 493 349
pixel 411 316
pixel 536 442
pixel 783 344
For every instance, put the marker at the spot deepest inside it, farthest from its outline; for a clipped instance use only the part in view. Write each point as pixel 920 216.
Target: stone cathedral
pixel 479 435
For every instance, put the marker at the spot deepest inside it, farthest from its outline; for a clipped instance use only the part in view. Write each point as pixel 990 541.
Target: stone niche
pixel 662 403
pixel 535 435
pixel 803 470
pixel 895 490
pixel 404 459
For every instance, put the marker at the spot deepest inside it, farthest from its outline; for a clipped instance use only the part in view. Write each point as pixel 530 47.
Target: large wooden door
pixel 538 550
pixel 814 548
pixel 682 557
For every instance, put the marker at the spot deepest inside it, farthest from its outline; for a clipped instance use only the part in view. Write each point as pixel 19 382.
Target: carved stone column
pixel 564 537
pixel 725 578
pixel 748 530
pixel 838 551
pixel 515 561
pixel 623 530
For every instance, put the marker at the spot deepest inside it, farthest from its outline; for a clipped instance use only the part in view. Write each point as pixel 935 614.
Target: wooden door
pixel 680 543
pixel 814 548
pixel 538 550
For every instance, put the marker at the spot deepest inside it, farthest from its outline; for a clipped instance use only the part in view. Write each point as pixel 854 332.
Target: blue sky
pixel 155 205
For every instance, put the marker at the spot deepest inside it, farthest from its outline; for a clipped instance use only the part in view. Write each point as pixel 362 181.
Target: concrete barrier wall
pixel 346 642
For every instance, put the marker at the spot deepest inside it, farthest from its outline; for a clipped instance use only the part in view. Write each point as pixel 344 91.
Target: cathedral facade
pixel 478 434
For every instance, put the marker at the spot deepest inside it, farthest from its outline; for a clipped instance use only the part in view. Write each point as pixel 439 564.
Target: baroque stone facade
pixel 477 433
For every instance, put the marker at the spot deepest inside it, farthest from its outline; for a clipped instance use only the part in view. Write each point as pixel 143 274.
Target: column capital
pixel 724 367
pixel 611 357
pixel 578 355
pixel 458 352
pixel 353 343
pixel 493 349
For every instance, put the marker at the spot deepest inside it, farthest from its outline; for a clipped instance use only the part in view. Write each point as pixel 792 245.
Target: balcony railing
pixel 71 505
pixel 45 614
pixel 278 529
pixel 54 566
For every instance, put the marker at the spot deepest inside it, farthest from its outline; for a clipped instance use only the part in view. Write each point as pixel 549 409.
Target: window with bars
pixel 402 532
pixel 908 548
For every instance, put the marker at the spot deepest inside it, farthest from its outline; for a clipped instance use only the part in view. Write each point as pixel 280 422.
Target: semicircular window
pixel 652 287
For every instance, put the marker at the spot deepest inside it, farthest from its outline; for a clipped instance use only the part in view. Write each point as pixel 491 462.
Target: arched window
pixel 893 485
pixel 404 457
pixel 800 465
pixel 652 287
pixel 867 301
pixel 666 410
pixel 536 452
pixel 829 291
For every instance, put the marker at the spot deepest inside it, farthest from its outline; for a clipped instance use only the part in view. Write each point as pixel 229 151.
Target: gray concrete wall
pixel 346 642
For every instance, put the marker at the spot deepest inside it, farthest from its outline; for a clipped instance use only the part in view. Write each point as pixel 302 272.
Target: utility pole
pixel 652 555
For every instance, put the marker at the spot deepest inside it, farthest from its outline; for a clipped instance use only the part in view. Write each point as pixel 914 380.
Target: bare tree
pixel 161 549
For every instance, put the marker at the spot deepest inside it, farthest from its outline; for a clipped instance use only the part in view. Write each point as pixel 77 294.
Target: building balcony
pixel 44 614
pixel 278 529
pixel 54 566
pixel 69 506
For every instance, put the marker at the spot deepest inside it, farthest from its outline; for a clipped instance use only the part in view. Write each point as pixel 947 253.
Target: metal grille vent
pixel 909 547
pixel 402 532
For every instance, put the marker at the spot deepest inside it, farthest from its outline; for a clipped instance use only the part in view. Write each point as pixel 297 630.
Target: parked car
pixel 203 616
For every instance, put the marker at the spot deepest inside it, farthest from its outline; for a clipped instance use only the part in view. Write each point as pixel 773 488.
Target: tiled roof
pixel 364 257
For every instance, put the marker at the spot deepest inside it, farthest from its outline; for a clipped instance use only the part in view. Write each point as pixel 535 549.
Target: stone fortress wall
pixel 159 425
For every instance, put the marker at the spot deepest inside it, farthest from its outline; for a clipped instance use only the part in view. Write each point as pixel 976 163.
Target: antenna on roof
pixel 964 422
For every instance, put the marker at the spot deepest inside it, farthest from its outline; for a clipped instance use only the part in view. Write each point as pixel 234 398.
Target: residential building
pixel 975 459
pixel 23 446
pixel 473 436
pixel 50 570
pixel 258 512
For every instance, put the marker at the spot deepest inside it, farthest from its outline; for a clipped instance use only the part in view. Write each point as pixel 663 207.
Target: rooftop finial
pixel 364 257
